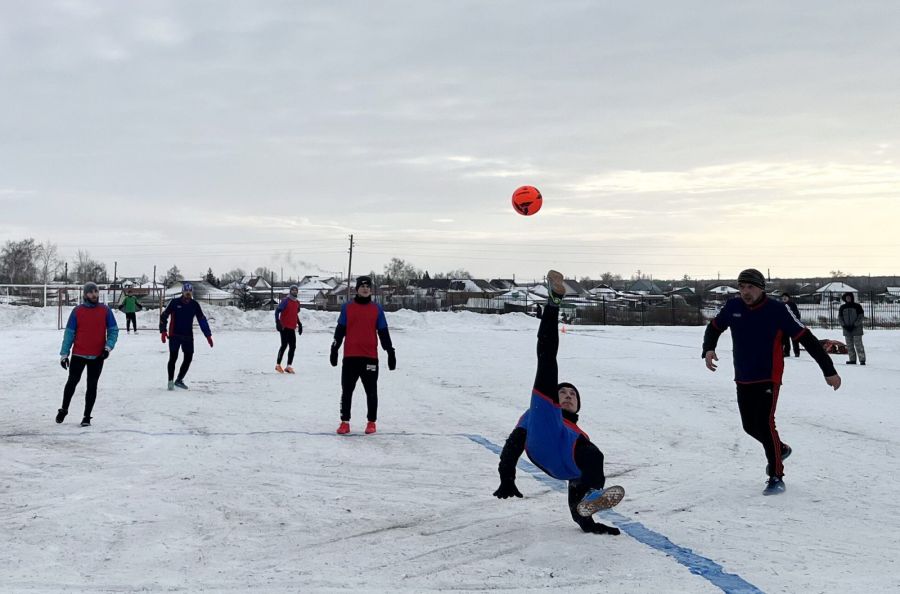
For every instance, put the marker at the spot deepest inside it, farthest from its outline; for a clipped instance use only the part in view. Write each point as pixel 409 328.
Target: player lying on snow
pixel 549 432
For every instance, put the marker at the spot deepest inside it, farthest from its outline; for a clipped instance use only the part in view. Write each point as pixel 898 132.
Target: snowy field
pixel 241 484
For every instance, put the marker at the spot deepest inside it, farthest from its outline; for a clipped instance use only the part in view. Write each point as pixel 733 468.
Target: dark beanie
pixel 89 287
pixel 752 276
pixel 577 393
pixel 363 280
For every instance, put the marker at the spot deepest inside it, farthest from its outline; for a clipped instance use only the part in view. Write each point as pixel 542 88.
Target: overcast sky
pixel 669 137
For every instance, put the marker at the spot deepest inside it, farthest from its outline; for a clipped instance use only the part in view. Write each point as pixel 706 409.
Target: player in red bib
pixel 362 324
pixel 287 321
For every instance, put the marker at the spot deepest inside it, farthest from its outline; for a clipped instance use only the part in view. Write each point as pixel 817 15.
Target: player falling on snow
pixel 91 333
pixel 287 321
pixel 548 431
pixel 757 324
pixel 180 332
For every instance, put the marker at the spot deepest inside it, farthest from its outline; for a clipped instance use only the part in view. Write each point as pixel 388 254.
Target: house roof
pixel 645 286
pixel 723 290
pixel 836 287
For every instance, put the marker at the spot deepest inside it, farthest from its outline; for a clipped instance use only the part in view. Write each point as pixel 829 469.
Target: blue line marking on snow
pixel 696 564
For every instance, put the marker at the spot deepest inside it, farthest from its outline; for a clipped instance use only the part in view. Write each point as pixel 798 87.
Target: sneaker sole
pixel 610 498
pixel 555 280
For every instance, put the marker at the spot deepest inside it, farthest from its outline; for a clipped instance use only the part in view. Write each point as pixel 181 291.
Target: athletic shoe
pixel 289 369
pixel 343 428
pixel 785 453
pixel 862 362
pixel 851 362
pixel 279 369
pixel 171 385
pixel 556 286
pixel 86 422
pixel 774 486
pixel 597 499
pixel 61 415
pixel 370 427
pixel 180 384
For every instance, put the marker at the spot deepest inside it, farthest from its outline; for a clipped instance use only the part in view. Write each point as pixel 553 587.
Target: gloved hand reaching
pixel 209 340
pixel 64 362
pixel 507 489
pixel 104 355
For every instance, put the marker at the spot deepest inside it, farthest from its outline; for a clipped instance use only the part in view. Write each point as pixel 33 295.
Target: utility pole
pixel 115 276
pixel 349 268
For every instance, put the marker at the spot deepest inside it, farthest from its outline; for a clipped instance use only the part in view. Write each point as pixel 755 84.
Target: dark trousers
pixel 359 368
pixel 187 347
pixel 288 341
pixel 757 404
pixel 130 319
pixel 76 368
pixel 786 345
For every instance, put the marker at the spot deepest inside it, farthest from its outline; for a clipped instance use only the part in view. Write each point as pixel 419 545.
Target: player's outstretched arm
pixel 817 352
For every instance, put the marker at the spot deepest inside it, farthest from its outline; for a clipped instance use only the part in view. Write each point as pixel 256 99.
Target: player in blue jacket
pixel 180 332
pixel 757 324
pixel 548 431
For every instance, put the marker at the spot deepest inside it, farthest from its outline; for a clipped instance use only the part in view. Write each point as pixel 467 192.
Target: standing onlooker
pixel 130 306
pixel 851 315
pixel 756 323
pixel 181 332
pixel 287 321
pixel 363 323
pixel 91 334
pixel 786 339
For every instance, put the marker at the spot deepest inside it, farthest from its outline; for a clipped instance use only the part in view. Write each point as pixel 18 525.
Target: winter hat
pixel 187 287
pixel 852 297
pixel 292 287
pixel 90 287
pixel 752 276
pixel 577 393
pixel 363 280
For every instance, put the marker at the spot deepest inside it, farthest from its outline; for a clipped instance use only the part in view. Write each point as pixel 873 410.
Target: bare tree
pixel 48 263
pixel 173 275
pixel 17 261
pixel 88 269
pixel 401 272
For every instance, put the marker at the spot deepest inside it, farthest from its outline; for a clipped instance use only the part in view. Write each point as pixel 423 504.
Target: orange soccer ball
pixel 527 200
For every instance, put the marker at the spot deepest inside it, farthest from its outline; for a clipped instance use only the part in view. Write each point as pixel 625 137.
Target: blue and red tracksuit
pixel 756 332
pixel 362 324
pixel 91 328
pixel 550 435
pixel 288 313
pixel 181 326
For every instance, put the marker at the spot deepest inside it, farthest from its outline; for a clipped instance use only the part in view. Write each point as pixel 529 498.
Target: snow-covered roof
pixel 723 290
pixel 893 290
pixel 836 287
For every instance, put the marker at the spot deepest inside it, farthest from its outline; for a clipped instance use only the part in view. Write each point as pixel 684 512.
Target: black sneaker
pixel 851 362
pixel 86 422
pixel 180 384
pixel 862 362
pixel 774 486
pixel 785 453
pixel 61 415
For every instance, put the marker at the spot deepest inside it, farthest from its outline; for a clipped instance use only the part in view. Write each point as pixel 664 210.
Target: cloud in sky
pixel 660 134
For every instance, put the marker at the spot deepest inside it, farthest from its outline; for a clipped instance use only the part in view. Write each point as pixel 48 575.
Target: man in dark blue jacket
pixel 757 324
pixel 180 332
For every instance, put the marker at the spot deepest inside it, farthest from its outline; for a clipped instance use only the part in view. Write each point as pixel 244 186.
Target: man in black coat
pixel 785 339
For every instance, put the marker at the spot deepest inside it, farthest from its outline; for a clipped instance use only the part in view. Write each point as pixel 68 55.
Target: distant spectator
pixel 130 306
pixel 851 315
pixel 785 339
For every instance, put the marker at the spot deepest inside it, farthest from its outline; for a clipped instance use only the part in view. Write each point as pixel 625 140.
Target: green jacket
pixel 130 304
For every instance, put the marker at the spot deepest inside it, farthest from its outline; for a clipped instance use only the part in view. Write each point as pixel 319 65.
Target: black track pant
pixel 786 341
pixel 76 368
pixel 187 347
pixel 365 369
pixel 130 320
pixel 757 404
pixel 288 341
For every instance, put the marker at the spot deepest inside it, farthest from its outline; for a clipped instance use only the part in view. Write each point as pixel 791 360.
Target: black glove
pixel 334 354
pixel 392 363
pixel 299 328
pixel 278 326
pixel 507 489
pixel 601 529
pixel 104 355
pixel 64 362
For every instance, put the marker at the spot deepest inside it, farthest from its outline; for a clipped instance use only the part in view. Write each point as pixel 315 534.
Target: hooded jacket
pixel 851 316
